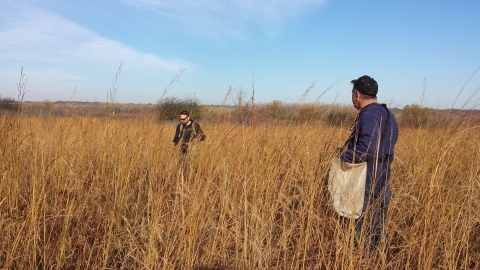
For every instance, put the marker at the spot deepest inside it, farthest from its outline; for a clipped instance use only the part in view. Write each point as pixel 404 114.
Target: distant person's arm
pixel 176 138
pixel 199 135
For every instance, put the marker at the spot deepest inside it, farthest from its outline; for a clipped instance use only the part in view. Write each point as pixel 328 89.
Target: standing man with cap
pixel 372 140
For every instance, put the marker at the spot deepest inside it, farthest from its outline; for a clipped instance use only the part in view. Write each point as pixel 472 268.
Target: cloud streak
pixel 56 52
pixel 230 18
pixel 50 38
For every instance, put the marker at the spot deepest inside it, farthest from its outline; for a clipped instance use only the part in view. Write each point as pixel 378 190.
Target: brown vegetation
pixel 86 193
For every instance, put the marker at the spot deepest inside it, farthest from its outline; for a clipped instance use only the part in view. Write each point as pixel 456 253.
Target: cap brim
pixel 352 81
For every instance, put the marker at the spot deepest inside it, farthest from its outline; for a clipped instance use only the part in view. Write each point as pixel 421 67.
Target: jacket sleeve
pixel 363 143
pixel 176 138
pixel 199 132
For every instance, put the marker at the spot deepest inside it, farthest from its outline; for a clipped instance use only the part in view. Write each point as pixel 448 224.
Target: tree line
pixel 245 112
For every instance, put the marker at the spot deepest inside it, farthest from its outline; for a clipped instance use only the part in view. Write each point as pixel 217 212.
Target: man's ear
pixel 356 96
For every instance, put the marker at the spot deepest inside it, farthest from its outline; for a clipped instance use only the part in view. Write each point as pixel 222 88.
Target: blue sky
pixel 282 47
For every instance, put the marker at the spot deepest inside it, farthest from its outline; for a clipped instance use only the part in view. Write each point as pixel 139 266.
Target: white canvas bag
pixel 346 181
pixel 346 184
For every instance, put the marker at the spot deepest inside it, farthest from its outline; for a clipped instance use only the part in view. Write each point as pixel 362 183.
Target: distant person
pixel 187 132
pixel 373 138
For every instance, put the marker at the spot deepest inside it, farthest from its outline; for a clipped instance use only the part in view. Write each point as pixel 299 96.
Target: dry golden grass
pixel 87 193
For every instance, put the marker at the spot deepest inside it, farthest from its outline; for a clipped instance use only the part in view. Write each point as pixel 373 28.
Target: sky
pixel 420 52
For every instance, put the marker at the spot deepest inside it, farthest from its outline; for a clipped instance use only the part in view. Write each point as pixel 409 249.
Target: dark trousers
pixel 370 227
pixel 182 160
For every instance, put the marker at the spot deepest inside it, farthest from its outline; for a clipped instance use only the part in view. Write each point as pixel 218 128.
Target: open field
pixel 106 193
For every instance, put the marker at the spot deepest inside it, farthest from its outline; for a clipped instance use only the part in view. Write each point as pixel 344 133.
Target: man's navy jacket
pixel 366 142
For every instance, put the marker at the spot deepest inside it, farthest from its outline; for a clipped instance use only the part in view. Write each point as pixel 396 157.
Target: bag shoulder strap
pixel 387 124
pixel 384 130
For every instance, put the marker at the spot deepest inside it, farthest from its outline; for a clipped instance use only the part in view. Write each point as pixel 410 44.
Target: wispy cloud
pixel 230 18
pixel 52 39
pixel 54 51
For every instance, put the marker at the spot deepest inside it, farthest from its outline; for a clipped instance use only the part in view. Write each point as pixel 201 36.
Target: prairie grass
pixel 89 193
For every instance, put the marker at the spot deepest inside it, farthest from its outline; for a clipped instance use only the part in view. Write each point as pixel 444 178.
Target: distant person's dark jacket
pixel 187 133
pixel 364 143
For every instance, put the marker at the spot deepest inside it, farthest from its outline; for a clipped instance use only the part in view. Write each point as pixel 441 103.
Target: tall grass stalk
pixel 90 193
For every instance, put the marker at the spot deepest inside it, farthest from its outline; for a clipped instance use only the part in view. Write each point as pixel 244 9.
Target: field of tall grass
pixel 92 193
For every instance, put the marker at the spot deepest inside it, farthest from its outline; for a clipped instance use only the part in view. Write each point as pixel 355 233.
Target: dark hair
pixel 364 97
pixel 185 113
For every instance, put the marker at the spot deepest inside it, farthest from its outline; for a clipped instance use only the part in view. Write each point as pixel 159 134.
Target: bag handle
pixel 384 130
pixel 387 124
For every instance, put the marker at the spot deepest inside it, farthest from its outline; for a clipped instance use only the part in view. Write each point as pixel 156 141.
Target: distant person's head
pixel 364 91
pixel 184 117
